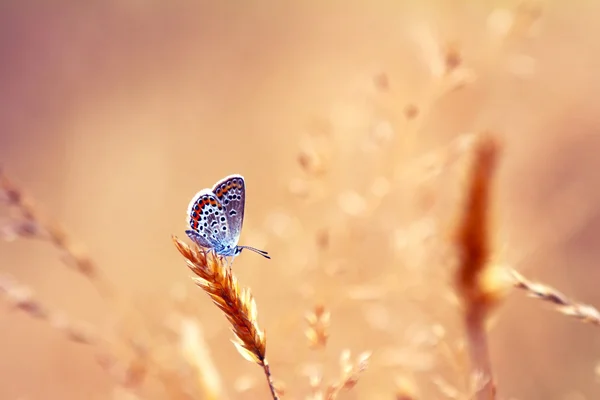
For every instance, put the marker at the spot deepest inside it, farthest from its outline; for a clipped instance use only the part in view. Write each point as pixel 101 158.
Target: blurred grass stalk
pixel 195 350
pixel 478 291
pixel 33 222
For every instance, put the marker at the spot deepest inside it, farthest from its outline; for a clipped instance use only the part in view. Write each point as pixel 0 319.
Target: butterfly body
pixel 216 216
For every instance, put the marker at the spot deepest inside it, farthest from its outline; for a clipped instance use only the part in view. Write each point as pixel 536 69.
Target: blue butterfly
pixel 216 215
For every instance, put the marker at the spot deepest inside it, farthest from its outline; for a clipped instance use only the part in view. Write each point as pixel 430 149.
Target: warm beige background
pixel 114 113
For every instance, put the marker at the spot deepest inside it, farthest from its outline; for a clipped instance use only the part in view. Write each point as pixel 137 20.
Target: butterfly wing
pixel 207 220
pixel 199 239
pixel 231 192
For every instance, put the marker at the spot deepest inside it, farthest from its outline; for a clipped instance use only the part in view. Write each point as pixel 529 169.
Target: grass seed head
pixel 217 280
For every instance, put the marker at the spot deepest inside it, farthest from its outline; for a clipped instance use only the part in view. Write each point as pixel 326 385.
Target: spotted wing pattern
pixel 207 220
pixel 231 192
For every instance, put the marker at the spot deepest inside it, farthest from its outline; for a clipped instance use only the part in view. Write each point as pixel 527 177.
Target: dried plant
pixel 33 222
pixel 128 374
pixel 119 353
pixel 474 252
pixel 195 350
pixel 238 305
pixel 349 373
pixel 317 332
pixel 359 212
pixel 21 298
pixel 563 304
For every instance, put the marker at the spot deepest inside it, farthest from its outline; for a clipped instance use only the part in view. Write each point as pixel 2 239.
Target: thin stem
pixel 479 353
pixel 74 256
pixel 267 370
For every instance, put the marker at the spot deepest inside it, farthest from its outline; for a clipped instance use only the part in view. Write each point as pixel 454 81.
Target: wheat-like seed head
pixel 238 305
pixel 564 305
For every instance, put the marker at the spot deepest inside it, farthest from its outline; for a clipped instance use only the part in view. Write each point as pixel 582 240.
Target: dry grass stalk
pixel 238 305
pixel 318 327
pixel 349 375
pixel 31 222
pixel 195 350
pixel 474 249
pixel 128 375
pixel 21 298
pixel 350 372
pixel 564 305
pixel 35 223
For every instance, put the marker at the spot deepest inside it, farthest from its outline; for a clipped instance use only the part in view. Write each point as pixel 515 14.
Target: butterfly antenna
pixel 261 252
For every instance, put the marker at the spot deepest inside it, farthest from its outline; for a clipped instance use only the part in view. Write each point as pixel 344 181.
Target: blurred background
pixel 350 122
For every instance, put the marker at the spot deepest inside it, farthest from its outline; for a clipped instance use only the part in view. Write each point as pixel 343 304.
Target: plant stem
pixel 479 354
pixel 267 370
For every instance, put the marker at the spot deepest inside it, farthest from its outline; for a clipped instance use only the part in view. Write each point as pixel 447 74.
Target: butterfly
pixel 216 215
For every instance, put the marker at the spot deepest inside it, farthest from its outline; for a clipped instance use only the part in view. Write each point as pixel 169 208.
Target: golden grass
pixel 217 280
pixel 476 282
pixel 132 371
pixel 563 304
pixel 22 298
pixel 349 374
pixel 317 332
pixel 195 350
pixel 34 222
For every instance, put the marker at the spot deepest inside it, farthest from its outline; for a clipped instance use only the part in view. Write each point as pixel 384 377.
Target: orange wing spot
pixel 228 186
pixel 213 202
pixel 219 193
